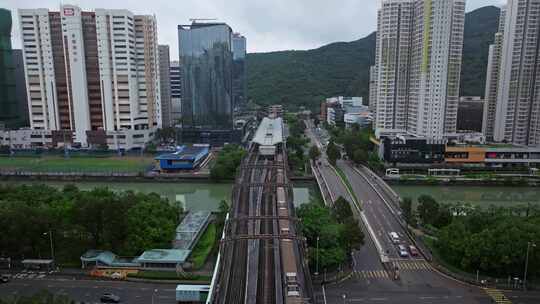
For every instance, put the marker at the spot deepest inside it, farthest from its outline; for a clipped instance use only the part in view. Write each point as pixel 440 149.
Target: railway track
pixel 261 255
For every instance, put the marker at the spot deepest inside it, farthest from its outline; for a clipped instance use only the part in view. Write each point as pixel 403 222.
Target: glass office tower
pixel 9 108
pixel 239 71
pixel 206 60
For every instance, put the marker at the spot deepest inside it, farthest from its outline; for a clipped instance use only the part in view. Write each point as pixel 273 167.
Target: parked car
pixel 117 276
pixel 4 279
pixel 403 251
pixel 109 298
pixel 413 250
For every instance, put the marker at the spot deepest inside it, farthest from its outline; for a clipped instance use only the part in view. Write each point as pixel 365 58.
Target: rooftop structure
pixel 269 135
pixel 192 293
pixel 191 228
pixel 105 258
pixel 163 256
pixel 185 158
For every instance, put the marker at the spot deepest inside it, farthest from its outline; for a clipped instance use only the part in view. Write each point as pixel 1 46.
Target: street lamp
pixel 51 242
pixel 529 245
pixel 344 296
pixel 317 265
pixel 155 291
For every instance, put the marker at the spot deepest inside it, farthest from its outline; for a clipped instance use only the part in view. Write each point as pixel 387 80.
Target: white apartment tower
pixel 492 80
pixel 418 65
pixel 88 71
pixel 517 110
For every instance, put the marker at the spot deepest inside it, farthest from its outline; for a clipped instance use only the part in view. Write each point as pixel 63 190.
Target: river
pixel 482 196
pixel 192 196
pixel 206 196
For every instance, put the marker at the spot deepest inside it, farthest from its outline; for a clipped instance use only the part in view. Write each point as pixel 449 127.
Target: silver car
pixel 403 251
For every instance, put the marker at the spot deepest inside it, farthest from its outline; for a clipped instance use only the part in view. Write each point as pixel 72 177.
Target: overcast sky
pixel 269 25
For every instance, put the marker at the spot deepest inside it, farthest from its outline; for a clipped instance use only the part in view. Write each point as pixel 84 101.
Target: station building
pixel 185 158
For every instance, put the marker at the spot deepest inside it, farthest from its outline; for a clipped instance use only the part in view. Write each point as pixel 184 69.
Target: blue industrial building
pixel 185 158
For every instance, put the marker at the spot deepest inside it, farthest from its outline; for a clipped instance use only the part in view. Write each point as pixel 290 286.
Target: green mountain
pixel 305 78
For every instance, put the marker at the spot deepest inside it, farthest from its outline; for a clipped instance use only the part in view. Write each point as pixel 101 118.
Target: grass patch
pixel 76 164
pixel 168 275
pixel 203 247
pixel 347 184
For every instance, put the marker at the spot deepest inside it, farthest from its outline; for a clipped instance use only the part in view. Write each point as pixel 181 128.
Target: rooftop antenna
pixel 201 19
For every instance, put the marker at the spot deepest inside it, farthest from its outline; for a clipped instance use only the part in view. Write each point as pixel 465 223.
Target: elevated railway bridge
pixel 262 254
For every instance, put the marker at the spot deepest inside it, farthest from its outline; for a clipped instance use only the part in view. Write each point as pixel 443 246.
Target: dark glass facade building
pixel 206 60
pixel 239 71
pixel 9 107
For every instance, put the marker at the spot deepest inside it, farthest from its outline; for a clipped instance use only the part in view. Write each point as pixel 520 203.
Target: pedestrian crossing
pixel 497 296
pixel 371 274
pixel 419 265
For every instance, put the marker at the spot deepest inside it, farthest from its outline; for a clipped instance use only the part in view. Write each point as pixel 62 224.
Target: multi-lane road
pixel 371 282
pixel 89 291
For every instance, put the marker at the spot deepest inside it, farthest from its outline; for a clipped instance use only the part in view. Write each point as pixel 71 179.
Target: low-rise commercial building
pixel 412 149
pixel 49 139
pixel 409 149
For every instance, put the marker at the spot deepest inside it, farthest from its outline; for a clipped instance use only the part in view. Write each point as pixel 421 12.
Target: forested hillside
pixel 304 78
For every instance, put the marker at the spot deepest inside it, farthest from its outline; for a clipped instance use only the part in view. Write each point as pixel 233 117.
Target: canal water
pixel 206 196
pixel 192 196
pixel 482 196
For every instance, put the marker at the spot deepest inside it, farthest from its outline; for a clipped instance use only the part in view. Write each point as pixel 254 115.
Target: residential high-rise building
pixel 8 98
pixel 165 85
pixel 91 71
pixel 206 60
pixel 373 89
pixel 492 80
pixel 176 92
pixel 517 111
pixel 239 70
pixel 418 65
pixel 470 114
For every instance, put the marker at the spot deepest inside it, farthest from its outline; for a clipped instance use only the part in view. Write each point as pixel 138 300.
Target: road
pixel 335 185
pixel 89 291
pixel 418 282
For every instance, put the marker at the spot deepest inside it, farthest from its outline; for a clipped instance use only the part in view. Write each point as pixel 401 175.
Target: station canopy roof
pixel 185 153
pixel 164 256
pixel 190 228
pixel 270 132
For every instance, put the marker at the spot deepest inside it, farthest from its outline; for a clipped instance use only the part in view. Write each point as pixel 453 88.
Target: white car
pixel 403 251
pixel 394 237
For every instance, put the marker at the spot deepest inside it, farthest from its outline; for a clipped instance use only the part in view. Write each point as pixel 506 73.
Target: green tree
pixel 406 208
pixel 318 222
pixel 444 217
pixel 360 156
pixel 227 162
pixel 353 234
pixel 342 209
pixel 314 152
pixel 428 209
pixel 151 223
pixel 333 153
